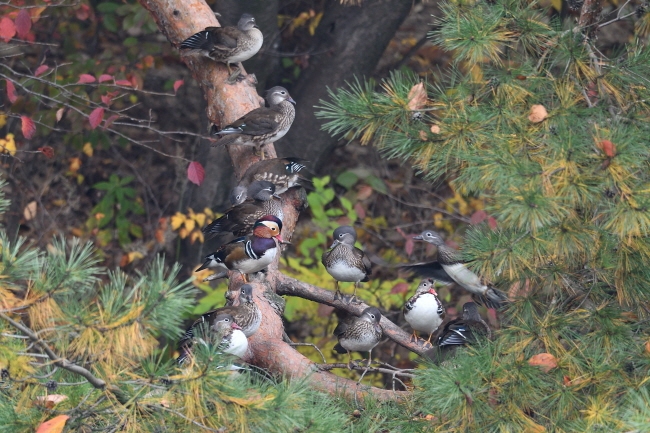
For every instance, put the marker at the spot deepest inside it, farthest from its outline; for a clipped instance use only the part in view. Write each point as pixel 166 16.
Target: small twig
pixel 312 345
pixel 618 16
pixel 332 366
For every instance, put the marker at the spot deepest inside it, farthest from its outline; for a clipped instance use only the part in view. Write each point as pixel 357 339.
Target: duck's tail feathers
pixel 492 298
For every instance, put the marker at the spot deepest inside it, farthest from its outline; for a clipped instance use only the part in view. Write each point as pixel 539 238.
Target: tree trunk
pixel 349 42
pixel 179 19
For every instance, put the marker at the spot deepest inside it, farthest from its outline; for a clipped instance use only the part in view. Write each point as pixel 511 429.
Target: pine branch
pixel 64 363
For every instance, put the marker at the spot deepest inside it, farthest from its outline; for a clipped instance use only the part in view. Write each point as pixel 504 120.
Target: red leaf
pixel 11 91
pixel 361 212
pixel 47 151
pixel 83 13
pixel 23 23
pixel 105 77
pixel 28 127
pixel 177 84
pixel 478 217
pixel 408 246
pixel 126 83
pixel 7 29
pixel 41 70
pixel 107 99
pixel 96 117
pixel 110 121
pixel 400 288
pixel 195 172
pixel 608 148
pixel 492 223
pixel 85 79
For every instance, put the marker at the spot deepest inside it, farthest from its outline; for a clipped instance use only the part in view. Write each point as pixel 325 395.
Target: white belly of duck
pixel 238 344
pixel 363 344
pixel 424 315
pixel 250 266
pixel 343 272
pixel 466 278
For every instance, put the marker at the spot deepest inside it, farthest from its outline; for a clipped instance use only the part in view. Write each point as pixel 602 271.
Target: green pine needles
pixel 553 136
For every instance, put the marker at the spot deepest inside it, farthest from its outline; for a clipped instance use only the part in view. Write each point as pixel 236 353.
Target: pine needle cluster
pixel 553 135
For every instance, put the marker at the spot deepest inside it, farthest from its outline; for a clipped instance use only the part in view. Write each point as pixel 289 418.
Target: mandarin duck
pixel 281 172
pixel 227 44
pixel 450 269
pixel 424 311
pixel 248 254
pixel 263 125
pixel 241 218
pixel 345 262
pixel 360 334
pixel 223 328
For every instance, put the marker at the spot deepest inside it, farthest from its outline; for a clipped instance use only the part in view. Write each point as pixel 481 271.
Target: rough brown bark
pixel 349 41
pixel 179 19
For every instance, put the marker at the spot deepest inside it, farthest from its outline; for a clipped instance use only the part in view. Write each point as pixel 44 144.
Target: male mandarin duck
pixel 248 254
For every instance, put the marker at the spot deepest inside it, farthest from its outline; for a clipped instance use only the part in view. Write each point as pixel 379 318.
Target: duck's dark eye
pixel 283 92
pixel 372 315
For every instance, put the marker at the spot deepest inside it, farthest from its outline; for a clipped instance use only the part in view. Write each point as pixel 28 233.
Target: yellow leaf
pixel 437 220
pixel 183 233
pixel 199 218
pixel 88 149
pixel 135 255
pixel 177 220
pixel 8 144
pixel 3 120
pixel 557 5
pixel 208 212
pixel 55 425
pixel 189 224
pixel 75 164
pixel 30 210
pixel 197 235
pixel 314 23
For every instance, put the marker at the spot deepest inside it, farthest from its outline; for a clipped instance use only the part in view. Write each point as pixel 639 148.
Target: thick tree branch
pixel 65 363
pixel 293 287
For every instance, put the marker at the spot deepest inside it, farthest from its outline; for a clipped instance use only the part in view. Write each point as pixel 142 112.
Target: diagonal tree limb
pixel 293 287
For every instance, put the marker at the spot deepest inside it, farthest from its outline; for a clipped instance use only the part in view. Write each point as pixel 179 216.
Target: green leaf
pixel 110 22
pixel 347 179
pixel 136 230
pixel 107 7
pixel 103 186
pixel 377 184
